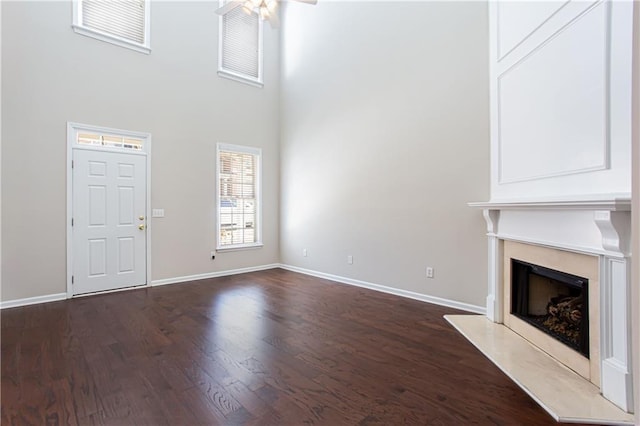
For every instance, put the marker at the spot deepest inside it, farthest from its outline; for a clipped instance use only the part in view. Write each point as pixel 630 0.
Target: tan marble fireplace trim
pixel 573 263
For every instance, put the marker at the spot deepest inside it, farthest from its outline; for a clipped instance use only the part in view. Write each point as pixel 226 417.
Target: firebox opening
pixel 555 302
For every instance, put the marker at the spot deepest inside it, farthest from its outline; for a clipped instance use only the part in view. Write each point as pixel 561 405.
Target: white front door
pixel 109 220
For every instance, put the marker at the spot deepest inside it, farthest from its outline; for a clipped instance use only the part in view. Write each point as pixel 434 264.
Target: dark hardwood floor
pixel 264 348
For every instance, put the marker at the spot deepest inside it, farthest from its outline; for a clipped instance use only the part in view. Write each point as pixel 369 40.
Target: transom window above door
pixel 111 141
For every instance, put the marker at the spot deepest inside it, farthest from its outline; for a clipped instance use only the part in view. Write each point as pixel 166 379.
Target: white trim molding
pixel 615 329
pixel 6 304
pixel 611 202
pixel 544 45
pixel 187 278
pixel 495 247
pixel 343 280
pixel 389 290
pixel 615 227
pixel 63 296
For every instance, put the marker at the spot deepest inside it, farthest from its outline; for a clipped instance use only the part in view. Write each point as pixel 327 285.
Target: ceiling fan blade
pixel 274 20
pixel 228 7
pixel 307 1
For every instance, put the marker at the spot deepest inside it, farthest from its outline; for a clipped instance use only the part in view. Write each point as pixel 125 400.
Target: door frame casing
pixel 72 131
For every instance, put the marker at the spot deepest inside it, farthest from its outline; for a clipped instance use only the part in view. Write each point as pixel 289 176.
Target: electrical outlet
pixel 304 252
pixel 350 260
pixel 429 272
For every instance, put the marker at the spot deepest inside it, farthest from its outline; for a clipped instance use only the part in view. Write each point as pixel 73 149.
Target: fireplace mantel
pixel 596 225
pixel 608 203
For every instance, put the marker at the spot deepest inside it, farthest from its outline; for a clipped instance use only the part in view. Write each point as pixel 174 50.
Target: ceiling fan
pixel 266 9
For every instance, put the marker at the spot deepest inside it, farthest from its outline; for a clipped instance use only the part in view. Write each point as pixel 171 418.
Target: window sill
pixel 241 79
pixel 111 39
pixel 239 247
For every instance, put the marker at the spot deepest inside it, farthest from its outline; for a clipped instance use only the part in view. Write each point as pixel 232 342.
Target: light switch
pixel 157 213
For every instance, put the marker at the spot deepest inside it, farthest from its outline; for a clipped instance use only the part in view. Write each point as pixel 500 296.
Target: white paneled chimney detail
pixel 561 154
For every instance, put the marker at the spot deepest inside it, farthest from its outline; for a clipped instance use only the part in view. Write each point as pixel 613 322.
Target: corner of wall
pixel 1 62
pixel 635 209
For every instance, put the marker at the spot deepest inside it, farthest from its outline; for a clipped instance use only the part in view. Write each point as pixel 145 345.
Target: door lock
pixel 141 217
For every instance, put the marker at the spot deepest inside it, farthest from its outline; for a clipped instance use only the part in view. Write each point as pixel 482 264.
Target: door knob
pixel 141 227
pixel 141 217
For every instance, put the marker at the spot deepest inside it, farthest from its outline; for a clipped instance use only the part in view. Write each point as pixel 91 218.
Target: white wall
pixel 385 138
pixel 52 75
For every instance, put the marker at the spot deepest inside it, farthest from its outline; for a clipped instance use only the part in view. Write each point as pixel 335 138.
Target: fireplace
pixel 538 279
pixel 588 241
pixel 554 302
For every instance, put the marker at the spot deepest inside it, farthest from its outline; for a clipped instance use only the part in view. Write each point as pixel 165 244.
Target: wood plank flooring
pixel 265 348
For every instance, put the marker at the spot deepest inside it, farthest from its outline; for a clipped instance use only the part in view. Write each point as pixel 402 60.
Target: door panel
pixel 109 198
pixel 97 257
pixel 126 205
pixel 97 205
pixel 126 254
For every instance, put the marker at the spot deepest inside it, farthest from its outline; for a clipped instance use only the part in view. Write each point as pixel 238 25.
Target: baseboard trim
pixel 344 280
pixel 186 278
pixel 390 290
pixel 32 300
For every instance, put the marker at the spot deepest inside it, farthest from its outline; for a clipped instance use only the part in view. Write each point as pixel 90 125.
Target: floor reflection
pixel 238 317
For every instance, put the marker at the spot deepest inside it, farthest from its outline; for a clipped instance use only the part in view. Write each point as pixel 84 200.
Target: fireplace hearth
pixel 554 302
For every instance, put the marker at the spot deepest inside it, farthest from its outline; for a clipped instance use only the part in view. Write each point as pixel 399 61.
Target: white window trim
pixel 258 153
pixel 109 38
pixel 239 247
pixel 256 82
pixel 239 77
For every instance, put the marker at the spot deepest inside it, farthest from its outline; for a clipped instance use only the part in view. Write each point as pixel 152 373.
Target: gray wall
pixel 380 111
pixel 50 75
pixel 385 138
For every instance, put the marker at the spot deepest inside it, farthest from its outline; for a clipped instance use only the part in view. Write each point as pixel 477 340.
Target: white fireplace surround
pixel 598 226
pixel 561 137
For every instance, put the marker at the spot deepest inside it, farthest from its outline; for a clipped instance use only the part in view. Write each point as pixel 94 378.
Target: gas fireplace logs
pixel 565 315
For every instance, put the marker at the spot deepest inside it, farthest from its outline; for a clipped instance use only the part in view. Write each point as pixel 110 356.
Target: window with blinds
pixel 240 46
pixel 121 22
pixel 238 189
